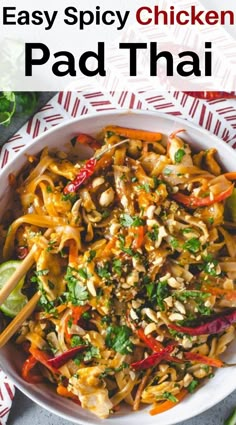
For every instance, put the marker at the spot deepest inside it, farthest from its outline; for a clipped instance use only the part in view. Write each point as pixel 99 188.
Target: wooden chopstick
pixel 20 272
pixel 16 323
pixel 28 309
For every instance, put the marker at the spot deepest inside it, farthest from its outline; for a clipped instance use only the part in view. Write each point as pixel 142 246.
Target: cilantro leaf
pixel 153 234
pixel 103 272
pixel 117 266
pixel 118 338
pixel 92 255
pixel 174 243
pixel 192 245
pixel 145 187
pixel 209 266
pixel 92 353
pixel 83 273
pixel 127 221
pixel 76 341
pixel 127 250
pixel 187 230
pixel 162 293
pixel 77 294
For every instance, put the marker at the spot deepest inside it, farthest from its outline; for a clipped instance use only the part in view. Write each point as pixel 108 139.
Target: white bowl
pixel 11 359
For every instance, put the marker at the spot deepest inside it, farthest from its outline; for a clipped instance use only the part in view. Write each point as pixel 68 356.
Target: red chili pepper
pixel 154 359
pixel 89 168
pixel 59 361
pixel 199 358
pixel 22 252
pixel 27 373
pixel 85 172
pixel 195 202
pixel 216 324
pixel 211 95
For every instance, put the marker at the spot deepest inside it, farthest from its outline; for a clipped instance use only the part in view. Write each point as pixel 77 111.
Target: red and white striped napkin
pixel 216 116
pixel 7 392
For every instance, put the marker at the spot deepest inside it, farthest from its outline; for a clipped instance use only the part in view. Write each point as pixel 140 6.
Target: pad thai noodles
pixel 136 273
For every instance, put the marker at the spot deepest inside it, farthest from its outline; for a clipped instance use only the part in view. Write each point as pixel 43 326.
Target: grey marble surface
pixel 25 412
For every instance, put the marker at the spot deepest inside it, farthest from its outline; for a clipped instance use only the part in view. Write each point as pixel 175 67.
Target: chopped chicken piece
pixel 91 392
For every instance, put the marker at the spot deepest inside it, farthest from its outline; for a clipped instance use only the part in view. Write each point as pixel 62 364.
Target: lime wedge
pixel 16 300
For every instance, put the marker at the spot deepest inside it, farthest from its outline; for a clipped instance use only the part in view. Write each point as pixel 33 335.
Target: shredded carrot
pixel 132 133
pixel 230 176
pixel 73 253
pixel 200 358
pixel 61 308
pixel 65 393
pixel 138 236
pixel 67 334
pixel 74 317
pixel 104 161
pixel 166 405
pixel 144 199
pixel 229 294
pixel 78 311
pixel 107 250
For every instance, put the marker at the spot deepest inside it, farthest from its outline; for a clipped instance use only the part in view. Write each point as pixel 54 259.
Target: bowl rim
pixel 224 145
pixel 186 414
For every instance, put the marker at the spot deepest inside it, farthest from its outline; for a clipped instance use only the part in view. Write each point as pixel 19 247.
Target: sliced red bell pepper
pixel 59 361
pixel 149 340
pixel 216 324
pixel 195 202
pixel 75 317
pixel 42 358
pixel 85 139
pixel 27 372
pixel 199 358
